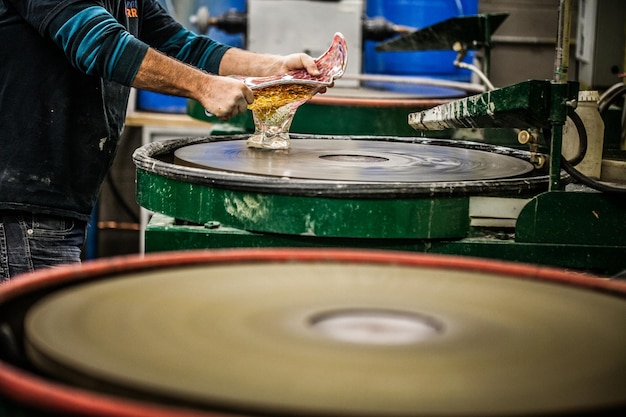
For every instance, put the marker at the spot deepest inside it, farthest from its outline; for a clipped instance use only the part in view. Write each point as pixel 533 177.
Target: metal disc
pixel 341 339
pixel 355 160
pixel 341 160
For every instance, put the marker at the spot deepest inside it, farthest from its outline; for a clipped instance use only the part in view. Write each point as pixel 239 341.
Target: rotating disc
pixel 341 339
pixel 355 160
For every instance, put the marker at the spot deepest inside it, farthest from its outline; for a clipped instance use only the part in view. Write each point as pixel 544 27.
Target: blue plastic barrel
pixel 149 101
pixel 418 14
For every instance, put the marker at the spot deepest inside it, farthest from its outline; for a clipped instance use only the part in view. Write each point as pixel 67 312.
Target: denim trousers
pixel 34 241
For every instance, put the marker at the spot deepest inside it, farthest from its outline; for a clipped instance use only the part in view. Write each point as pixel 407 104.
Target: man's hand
pixel 225 97
pixel 298 61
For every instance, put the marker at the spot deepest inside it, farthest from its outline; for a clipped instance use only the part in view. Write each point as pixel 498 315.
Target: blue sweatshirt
pixel 66 67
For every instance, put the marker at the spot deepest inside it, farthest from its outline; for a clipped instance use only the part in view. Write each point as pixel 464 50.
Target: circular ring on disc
pixel 319 337
pixel 355 160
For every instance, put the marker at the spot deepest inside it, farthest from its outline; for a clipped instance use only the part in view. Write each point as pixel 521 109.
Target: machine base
pixel 164 233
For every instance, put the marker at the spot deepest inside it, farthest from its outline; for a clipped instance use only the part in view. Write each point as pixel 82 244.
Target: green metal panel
pixel 298 215
pixel 164 234
pixel 524 105
pixel 603 260
pixel 587 218
pixel 352 120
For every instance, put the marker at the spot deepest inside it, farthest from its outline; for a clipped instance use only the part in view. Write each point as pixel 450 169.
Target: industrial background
pixel 441 233
pixel 521 48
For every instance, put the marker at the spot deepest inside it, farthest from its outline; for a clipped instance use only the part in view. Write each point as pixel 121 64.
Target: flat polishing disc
pixel 338 338
pixel 355 160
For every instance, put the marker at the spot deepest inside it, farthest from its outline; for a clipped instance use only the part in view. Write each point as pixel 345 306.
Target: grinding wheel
pixel 355 160
pixel 343 167
pixel 354 337
pixel 415 188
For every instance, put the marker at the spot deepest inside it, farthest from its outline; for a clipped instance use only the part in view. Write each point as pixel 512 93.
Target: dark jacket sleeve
pixel 162 32
pixel 111 44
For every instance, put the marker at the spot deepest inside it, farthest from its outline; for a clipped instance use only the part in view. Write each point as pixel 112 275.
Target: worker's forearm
pixel 161 73
pixel 242 62
pixel 166 75
pixel 225 97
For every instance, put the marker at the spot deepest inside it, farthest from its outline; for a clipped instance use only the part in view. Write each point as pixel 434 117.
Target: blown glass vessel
pixel 276 98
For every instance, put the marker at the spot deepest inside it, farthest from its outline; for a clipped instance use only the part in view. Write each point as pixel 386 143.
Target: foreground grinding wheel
pixel 341 333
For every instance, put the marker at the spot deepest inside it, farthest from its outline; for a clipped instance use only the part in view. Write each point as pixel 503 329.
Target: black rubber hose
pixel 589 182
pixel 611 95
pixel 582 137
pixel 583 179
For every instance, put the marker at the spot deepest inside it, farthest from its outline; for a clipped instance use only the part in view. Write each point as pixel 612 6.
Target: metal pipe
pixel 468 87
pixel 476 71
pixel 487 49
pixel 523 40
pixel 561 62
pixel 556 144
pixel 559 109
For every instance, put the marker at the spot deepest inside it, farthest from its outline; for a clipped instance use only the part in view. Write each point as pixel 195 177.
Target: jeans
pixel 34 241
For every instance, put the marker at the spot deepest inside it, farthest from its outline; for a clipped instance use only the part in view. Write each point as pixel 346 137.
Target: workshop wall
pixel 523 47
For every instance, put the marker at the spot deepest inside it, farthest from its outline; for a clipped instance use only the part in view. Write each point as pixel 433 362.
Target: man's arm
pixel 222 96
pixel 240 62
pixel 98 45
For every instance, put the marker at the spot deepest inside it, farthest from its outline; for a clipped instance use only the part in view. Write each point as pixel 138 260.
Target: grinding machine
pixel 421 193
pixel 318 299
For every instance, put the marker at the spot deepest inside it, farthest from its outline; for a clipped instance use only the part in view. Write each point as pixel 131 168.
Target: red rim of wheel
pixel 26 388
